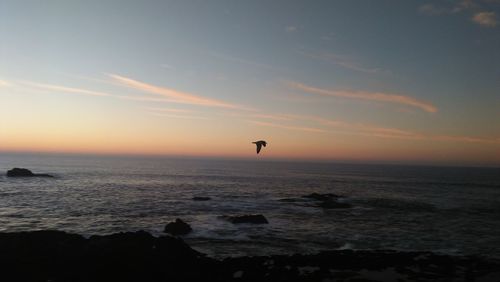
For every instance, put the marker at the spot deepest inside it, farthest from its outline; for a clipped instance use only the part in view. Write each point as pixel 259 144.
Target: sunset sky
pixel 404 81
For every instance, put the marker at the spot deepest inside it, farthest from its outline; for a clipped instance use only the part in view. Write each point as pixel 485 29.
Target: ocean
pixel 452 210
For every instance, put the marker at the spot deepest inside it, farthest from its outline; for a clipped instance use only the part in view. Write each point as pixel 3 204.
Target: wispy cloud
pixel 174 113
pixel 466 139
pixel 486 19
pixel 169 110
pixel 280 117
pixel 395 133
pixel 175 95
pixel 361 128
pixel 273 117
pixel 304 123
pixel 64 89
pixel 343 61
pixel 149 99
pixel 370 96
pixel 385 132
pixel 482 18
pixel 290 29
pixel 432 10
pixel 450 7
pixel 177 116
pixel 463 5
pixel 324 125
pixel 289 127
pixel 404 134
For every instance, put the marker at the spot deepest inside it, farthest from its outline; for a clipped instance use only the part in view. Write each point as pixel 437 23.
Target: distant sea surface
pixel 443 209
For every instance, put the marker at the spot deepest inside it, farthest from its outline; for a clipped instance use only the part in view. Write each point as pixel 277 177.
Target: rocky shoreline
pixel 139 256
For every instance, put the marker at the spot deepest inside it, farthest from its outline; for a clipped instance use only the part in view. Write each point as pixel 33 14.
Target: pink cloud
pixel 486 19
pixel 59 88
pixel 177 116
pixel 467 139
pixel 276 117
pixel 170 110
pixel 370 96
pixel 175 95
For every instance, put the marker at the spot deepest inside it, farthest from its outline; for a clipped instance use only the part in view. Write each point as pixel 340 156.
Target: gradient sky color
pixel 402 81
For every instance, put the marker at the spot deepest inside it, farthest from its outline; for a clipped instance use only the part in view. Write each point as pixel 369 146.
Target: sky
pixel 396 81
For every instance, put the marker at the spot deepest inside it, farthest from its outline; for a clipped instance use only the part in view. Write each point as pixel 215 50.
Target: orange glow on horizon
pixel 276 149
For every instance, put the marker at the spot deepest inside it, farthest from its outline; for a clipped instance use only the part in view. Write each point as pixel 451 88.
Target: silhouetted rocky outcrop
pixel 178 227
pixel 247 218
pixel 138 256
pixel 23 172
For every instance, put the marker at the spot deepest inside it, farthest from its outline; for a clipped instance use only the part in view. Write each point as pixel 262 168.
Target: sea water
pixel 453 210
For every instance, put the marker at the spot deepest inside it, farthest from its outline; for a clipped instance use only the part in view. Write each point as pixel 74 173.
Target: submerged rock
pixel 179 227
pixel 327 201
pixel 321 197
pixel 247 218
pixel 23 172
pixel 201 198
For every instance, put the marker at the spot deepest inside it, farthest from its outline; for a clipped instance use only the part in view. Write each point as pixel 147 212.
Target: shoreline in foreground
pixel 139 256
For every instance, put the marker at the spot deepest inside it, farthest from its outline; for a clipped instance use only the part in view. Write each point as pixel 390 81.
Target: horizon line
pixel 395 162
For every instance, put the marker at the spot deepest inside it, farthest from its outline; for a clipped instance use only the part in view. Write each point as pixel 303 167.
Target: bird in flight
pixel 260 144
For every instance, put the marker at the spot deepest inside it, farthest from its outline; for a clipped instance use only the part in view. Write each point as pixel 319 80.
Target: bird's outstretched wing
pixel 259 146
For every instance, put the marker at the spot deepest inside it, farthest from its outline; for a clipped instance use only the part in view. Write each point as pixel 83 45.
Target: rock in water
pixel 247 218
pixel 15 172
pixel 23 172
pixel 179 227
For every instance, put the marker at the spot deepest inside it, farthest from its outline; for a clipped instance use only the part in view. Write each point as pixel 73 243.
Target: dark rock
pixel 179 227
pixel 247 218
pixel 19 172
pixel 138 256
pixel 132 256
pixel 201 198
pixel 23 172
pixel 348 265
